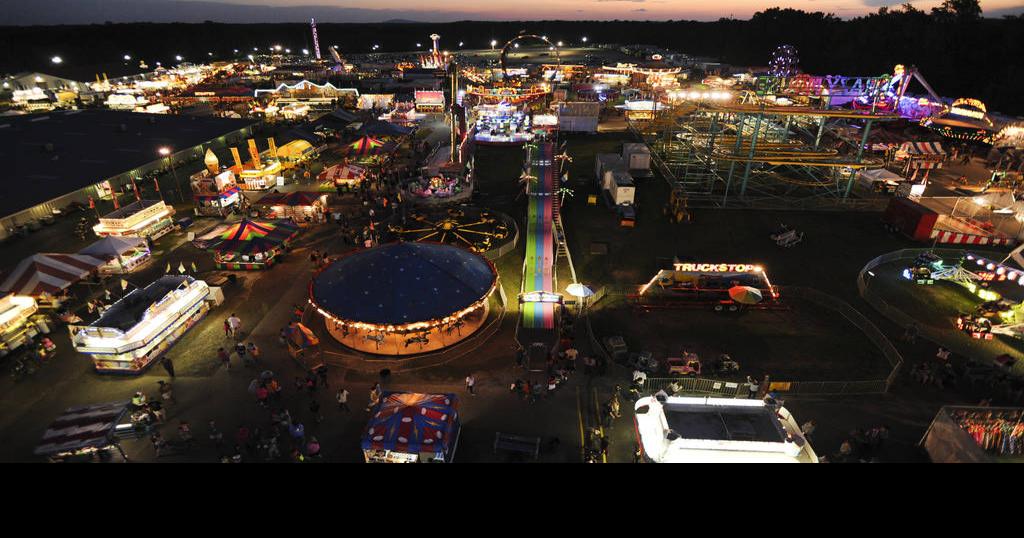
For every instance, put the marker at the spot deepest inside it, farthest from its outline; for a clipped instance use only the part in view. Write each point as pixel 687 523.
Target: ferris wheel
pixel 512 42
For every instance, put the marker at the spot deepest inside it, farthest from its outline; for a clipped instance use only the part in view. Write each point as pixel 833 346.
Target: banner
pixel 273 148
pixel 254 154
pixel 238 160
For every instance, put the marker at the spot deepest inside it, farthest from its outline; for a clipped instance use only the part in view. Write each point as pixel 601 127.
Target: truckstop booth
pixel 143 325
pixel 722 286
pixel 146 218
pixel 413 428
pixel 676 429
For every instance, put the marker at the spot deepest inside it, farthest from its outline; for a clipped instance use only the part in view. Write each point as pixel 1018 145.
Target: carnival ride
pixel 474 229
pixel 761 153
pixel 512 90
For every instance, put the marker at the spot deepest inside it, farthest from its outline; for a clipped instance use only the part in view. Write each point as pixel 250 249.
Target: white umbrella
pixel 579 290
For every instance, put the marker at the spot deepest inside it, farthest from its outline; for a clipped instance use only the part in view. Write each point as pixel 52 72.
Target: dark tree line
pixel 960 53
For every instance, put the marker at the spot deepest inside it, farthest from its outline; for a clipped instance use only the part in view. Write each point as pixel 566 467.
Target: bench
pixel 517 443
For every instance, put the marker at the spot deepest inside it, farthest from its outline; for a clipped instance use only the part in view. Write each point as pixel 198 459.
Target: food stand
pixel 85 433
pixel 412 428
pixel 143 325
pixel 146 218
pixel 300 206
pixel 917 156
pixel 123 254
pixel 19 322
pixel 253 244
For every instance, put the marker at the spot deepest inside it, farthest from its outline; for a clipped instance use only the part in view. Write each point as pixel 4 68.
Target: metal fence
pixel 698 386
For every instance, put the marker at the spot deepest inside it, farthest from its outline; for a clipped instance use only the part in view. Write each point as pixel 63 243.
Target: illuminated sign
pixel 833 85
pixel 540 297
pixel 718 267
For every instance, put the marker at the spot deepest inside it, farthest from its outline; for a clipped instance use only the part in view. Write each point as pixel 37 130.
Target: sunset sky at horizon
pixel 623 9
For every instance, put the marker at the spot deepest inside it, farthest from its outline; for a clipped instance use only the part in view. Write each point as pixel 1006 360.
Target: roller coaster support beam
pixel 750 155
pixel 860 154
pixel 736 150
pixel 821 130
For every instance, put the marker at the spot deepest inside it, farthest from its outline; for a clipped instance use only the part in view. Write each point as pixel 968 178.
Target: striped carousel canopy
pixel 251 236
pixel 368 145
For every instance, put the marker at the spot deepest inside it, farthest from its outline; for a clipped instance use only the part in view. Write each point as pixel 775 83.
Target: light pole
pixel 166 152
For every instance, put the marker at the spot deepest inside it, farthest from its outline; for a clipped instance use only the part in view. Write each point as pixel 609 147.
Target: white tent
pixel 123 253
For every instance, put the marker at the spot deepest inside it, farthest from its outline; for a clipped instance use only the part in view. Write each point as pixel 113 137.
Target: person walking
pixel 225 359
pixel 314 408
pixel 168 366
pixel 227 329
pixel 235 324
pixel 167 392
pixel 254 352
pixel 470 383
pixel 342 398
pixel 216 437
pixel 185 433
pixel 298 433
pixel 321 373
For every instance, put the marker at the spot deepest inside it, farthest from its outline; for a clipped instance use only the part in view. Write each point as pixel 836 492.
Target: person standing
pixel 227 329
pixel 470 383
pixel 169 366
pixel 342 398
pixel 216 437
pixel 314 408
pixel 752 387
pixel 808 429
pixel 166 392
pixel 321 372
pixel 254 352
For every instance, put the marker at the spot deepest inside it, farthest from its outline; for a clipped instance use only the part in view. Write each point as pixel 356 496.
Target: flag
pixel 194 269
pixel 92 203
pixel 138 197
pixel 113 196
pixel 156 184
pixel 181 267
pixel 124 284
pixel 168 270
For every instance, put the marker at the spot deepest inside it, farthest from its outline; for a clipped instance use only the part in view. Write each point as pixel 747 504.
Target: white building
pixel 674 429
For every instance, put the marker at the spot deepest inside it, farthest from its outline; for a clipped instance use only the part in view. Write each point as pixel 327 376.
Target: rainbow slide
pixel 540 239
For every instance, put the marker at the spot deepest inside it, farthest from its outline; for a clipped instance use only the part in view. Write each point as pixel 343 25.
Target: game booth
pixel 429 101
pixel 341 177
pixel 215 194
pixel 303 346
pixel 252 244
pixel 301 207
pixel 404 298
pixel 45 277
pixel 502 125
pixel 721 286
pixel 150 219
pixel 951 220
pixel 124 254
pixel 141 326
pixel 966 434
pixel 410 427
pixel 87 434
pixel 917 156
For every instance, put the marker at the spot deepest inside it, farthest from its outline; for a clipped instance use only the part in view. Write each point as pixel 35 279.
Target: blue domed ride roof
pixel 401 283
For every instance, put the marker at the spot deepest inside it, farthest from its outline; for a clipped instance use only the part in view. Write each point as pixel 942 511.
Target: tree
pixel 959 10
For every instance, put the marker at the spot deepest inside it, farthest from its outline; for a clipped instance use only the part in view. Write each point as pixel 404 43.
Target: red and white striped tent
pixel 922 154
pixel 49 273
pixel 343 173
pixel 82 427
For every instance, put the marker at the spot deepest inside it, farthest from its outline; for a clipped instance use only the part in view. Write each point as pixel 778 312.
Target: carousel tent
pixel 290 199
pixel 413 423
pixel 297 205
pixel 249 237
pixel 114 248
pixel 367 146
pixel 403 283
pixel 50 273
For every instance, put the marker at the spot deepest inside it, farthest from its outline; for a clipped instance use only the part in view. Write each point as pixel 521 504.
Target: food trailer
pixel 143 325
pixel 146 218
pixel 408 427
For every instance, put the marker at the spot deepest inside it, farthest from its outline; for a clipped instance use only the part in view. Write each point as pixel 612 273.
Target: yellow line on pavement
pixel 600 422
pixel 579 416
